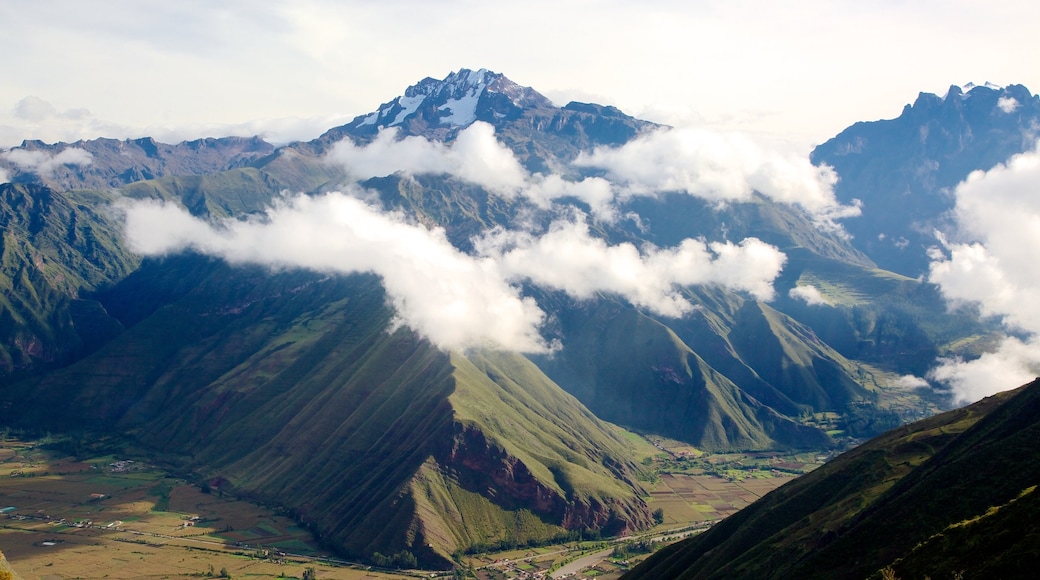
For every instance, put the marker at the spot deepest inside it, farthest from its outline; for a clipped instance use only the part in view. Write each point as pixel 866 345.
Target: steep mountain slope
pixel 952 494
pixel 303 390
pixel 55 247
pixel 289 388
pixel 901 168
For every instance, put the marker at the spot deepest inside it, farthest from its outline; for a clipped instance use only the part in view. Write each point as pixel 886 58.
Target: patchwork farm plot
pixel 108 517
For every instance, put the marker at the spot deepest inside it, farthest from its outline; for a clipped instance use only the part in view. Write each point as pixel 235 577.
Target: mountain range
pixel 310 388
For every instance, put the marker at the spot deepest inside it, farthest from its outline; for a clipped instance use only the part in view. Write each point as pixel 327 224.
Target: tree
pixel 309 574
pixel 658 516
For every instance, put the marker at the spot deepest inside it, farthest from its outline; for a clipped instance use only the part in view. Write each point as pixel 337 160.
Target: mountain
pixel 105 163
pixel 304 390
pixel 952 495
pixel 902 169
pixel 289 389
pixel 56 248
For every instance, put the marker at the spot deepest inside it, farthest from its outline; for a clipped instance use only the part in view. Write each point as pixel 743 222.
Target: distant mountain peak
pixel 457 100
pixel 963 90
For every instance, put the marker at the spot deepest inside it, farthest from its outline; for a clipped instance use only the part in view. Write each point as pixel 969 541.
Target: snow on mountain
pixel 455 101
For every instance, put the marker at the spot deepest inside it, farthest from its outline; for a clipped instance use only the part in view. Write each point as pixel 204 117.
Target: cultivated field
pixel 111 518
pixel 108 517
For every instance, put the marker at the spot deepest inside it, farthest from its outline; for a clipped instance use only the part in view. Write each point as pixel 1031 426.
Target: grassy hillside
pixel 55 247
pixel 928 499
pixel 635 371
pixel 290 389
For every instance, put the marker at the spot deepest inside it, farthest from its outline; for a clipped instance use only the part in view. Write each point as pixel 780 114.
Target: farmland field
pixel 111 518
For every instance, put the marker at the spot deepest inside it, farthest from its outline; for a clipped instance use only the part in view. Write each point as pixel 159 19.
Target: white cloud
pixel 808 294
pixel 455 300
pixel 998 213
pixel 714 166
pixel 718 167
pixel 568 258
pixel 1012 364
pixel 35 118
pixel 911 382
pixel 45 163
pixel 475 156
pixel 1007 104
pixel 4 177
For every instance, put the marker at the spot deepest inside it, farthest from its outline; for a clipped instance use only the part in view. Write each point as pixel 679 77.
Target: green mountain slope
pixel 55 247
pixel 290 389
pixel 634 370
pixel 954 493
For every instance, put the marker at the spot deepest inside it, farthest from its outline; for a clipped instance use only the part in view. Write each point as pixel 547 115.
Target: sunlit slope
pixel 54 246
pixel 291 389
pixel 955 493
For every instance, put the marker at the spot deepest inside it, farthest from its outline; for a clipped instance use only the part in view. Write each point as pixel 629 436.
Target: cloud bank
pixel 454 299
pixel 44 163
pixel 998 213
pixel 35 118
pixel 717 167
pixel 568 258
pixel 475 156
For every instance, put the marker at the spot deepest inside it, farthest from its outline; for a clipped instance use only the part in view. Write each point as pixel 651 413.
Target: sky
pixel 791 72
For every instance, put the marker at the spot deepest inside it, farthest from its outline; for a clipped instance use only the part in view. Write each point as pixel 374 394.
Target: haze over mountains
pixel 411 330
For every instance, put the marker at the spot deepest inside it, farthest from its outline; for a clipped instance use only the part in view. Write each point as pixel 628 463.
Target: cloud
pixel 911 382
pixel 455 300
pixel 4 177
pixel 808 294
pixel 718 167
pixel 714 166
pixel 568 258
pixel 35 118
pixel 1007 104
pixel 474 156
pixel 44 163
pixel 1012 364
pixel 994 266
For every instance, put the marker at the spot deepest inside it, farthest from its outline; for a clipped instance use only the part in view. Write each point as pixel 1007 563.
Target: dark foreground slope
pixel 290 389
pixel 956 493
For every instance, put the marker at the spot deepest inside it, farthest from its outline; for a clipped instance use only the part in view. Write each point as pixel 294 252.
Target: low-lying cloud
pixel 44 163
pixel 474 156
pixel 570 259
pixel 809 294
pixel 998 214
pixel 454 299
pixel 720 168
pixel 717 167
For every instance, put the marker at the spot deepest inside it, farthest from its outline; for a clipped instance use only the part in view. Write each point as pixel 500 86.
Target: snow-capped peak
pixel 453 101
pixel 963 90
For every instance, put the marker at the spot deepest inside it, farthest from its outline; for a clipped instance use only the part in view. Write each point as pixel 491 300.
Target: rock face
pixel 902 168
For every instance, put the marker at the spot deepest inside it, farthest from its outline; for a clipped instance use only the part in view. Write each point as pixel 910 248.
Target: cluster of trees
pixel 400 560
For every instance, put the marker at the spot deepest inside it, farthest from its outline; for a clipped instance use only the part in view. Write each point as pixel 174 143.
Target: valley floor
pixel 109 517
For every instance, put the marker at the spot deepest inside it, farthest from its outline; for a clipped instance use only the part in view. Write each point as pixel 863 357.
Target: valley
pixel 409 343
pixel 105 516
